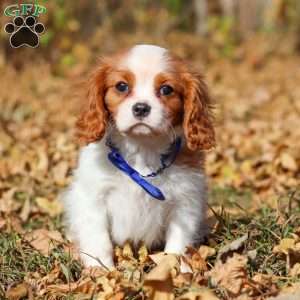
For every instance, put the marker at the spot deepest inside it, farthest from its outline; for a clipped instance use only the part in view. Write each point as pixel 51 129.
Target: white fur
pixel 145 62
pixel 104 206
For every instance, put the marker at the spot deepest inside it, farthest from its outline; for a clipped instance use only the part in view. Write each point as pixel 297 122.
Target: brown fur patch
pixel 197 120
pixel 192 159
pixel 113 97
pixel 173 102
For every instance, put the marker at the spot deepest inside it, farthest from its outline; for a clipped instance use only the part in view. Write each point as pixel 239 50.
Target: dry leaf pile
pixel 253 251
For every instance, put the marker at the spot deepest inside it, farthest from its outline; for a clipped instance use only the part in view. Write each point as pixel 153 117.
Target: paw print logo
pixel 24 32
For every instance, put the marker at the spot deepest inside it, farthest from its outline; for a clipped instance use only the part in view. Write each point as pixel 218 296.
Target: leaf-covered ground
pixel 253 251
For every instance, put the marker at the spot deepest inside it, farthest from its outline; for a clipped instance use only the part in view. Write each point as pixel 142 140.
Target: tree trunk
pixel 201 12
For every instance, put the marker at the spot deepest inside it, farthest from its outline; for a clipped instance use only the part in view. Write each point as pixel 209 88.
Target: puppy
pixel 145 123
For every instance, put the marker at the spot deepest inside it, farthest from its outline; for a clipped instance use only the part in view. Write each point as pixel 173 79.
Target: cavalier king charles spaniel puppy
pixel 145 124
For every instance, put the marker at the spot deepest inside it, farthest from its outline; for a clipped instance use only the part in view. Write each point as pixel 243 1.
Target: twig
pixel 96 259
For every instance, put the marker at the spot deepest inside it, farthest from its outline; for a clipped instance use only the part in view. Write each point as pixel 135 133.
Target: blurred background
pixel 247 49
pixel 77 32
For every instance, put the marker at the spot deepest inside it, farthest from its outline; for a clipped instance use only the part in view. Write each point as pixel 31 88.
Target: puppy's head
pixel 146 91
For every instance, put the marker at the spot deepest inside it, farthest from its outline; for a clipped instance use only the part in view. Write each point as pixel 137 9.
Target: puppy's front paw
pixel 90 261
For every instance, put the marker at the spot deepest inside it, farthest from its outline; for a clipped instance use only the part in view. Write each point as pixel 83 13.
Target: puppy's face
pixel 143 94
pixel 146 91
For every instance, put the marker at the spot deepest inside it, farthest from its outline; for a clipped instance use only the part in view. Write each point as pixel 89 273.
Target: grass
pixel 265 228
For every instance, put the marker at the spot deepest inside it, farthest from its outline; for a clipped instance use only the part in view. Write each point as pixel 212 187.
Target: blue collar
pixel 166 160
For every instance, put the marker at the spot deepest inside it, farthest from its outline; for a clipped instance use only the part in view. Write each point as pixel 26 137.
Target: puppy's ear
pixel 92 122
pixel 197 120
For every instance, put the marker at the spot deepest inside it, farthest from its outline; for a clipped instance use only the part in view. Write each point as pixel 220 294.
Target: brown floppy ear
pixel 93 120
pixel 197 120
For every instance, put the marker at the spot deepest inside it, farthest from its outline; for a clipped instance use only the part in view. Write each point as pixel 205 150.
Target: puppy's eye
pixel 166 90
pixel 122 87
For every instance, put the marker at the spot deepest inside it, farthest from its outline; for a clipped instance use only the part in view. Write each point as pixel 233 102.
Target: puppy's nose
pixel 141 110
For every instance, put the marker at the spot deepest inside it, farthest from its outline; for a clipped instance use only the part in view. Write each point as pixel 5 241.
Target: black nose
pixel 141 110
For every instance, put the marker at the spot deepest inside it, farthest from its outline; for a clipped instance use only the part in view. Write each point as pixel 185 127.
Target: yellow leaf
pixel 53 208
pixel 288 162
pixel 127 251
pixel 285 245
pixel 143 253
pixel 206 251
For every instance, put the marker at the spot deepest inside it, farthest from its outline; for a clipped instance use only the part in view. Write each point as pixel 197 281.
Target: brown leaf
pixel 7 202
pixel 231 275
pixel 159 280
pixel 2 222
pixel 44 240
pixel 182 279
pixel 195 260
pixel 201 294
pixel 295 270
pixel 18 292
pixel 166 263
pixel 160 290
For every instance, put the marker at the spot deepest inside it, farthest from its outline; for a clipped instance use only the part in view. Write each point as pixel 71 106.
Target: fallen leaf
pixel 44 240
pixel 25 210
pixel 231 275
pixel 206 251
pixel 43 160
pixel 195 260
pixel 165 264
pixel 182 279
pixel 233 246
pixel 53 208
pixel 127 251
pixel 143 253
pixel 18 292
pixel 201 294
pixel 159 280
pixel 288 162
pixel 295 270
pixel 160 290
pixel 287 245
pixel 2 222
pixel 60 172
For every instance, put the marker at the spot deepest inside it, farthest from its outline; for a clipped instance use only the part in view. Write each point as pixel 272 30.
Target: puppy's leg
pixel 177 238
pixel 182 232
pixel 89 226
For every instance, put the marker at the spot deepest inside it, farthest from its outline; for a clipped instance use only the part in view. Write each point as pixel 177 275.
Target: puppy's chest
pixel 133 214
pixel 136 215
